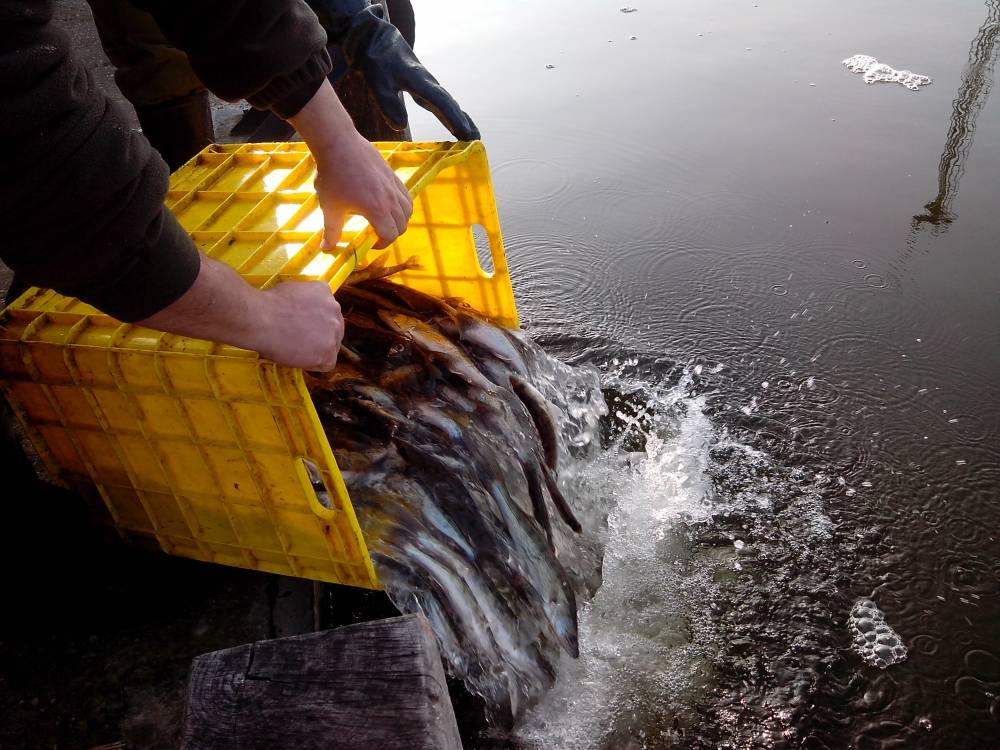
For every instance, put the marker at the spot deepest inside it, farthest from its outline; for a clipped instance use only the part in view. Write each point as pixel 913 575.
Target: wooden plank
pixel 371 685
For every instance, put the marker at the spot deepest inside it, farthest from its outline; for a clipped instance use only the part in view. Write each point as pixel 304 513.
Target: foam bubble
pixel 874 640
pixel 874 71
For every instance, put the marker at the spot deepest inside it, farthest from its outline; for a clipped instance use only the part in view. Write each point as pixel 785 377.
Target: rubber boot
pixel 178 128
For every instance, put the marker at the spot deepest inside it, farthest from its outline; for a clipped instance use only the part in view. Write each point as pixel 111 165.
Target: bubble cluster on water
pixel 873 71
pixel 874 640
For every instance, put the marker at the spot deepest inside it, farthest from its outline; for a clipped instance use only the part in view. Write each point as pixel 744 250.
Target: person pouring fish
pixel 448 445
pixel 114 244
pixel 82 193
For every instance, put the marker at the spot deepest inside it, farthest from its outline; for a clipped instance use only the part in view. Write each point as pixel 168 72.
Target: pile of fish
pixel 451 456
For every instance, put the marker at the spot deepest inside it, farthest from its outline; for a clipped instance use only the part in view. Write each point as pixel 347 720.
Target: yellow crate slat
pixel 208 451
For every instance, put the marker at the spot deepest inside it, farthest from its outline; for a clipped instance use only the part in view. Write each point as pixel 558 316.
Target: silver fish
pixel 439 348
pixel 491 339
pixel 549 580
pixel 538 407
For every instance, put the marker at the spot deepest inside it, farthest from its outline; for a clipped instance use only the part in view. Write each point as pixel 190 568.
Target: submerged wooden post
pixel 371 685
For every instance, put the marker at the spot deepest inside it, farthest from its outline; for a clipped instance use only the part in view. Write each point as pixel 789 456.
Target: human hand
pixel 302 325
pixel 295 323
pixel 375 48
pixel 355 179
pixel 351 176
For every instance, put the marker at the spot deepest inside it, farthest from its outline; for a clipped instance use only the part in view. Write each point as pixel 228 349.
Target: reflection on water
pixel 810 414
pixel 975 90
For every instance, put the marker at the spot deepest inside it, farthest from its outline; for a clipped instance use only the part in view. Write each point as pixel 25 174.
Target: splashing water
pixel 645 639
pixel 874 71
pixel 702 556
pixel 718 560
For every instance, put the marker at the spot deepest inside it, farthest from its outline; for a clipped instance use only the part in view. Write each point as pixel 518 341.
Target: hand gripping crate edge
pixel 208 451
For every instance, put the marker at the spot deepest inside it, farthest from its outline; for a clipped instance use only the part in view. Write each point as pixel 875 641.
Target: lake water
pixel 790 281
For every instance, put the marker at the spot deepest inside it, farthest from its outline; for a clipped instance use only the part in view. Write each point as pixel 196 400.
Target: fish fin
pixel 365 272
pixel 377 269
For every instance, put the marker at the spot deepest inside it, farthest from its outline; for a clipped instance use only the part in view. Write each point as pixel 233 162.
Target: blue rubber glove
pixel 375 48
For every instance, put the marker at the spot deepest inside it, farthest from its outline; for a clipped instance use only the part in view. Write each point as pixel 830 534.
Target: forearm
pixel 219 306
pixel 326 127
pixel 351 176
pixel 295 323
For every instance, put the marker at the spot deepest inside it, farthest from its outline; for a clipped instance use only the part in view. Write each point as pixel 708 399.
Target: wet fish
pixel 418 302
pixel 449 454
pixel 347 354
pixel 377 269
pixel 451 485
pixel 458 596
pixel 366 299
pixel 456 399
pixel 532 474
pixel 500 620
pixel 437 419
pixel 538 407
pixel 549 580
pixel 559 500
pixel 491 339
pixel 400 376
pixel 439 348
pixel 442 514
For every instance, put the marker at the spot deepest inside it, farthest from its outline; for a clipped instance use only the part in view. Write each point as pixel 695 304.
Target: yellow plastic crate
pixel 208 451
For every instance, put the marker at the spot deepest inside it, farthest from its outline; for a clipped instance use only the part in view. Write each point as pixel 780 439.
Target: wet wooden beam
pixel 372 685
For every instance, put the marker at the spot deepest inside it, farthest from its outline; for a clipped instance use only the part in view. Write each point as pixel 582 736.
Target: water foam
pixel 874 71
pixel 873 639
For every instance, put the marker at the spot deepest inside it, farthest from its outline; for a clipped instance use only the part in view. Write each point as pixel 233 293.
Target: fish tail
pixel 559 500
pixel 538 501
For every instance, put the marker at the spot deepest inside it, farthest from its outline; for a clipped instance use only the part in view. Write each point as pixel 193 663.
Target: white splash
pixel 874 71
pixel 646 637
pixel 650 637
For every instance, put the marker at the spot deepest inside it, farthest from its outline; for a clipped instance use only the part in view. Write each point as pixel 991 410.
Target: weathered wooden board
pixel 371 685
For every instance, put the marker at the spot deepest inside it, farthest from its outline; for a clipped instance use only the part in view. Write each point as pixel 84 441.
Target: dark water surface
pixel 721 216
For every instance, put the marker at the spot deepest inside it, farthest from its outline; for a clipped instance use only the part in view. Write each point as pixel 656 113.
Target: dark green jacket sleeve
pixel 81 193
pixel 270 52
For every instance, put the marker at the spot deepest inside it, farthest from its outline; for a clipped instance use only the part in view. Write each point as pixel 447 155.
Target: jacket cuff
pixel 288 94
pixel 159 274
